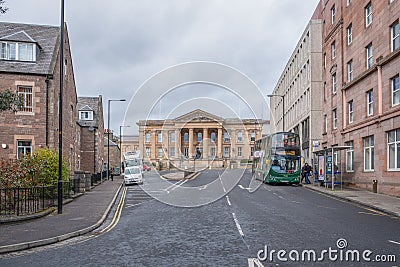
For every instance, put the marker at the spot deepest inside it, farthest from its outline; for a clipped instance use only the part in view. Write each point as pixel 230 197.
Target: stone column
pixel 177 142
pixel 190 142
pixel 233 144
pixel 205 143
pixel 219 138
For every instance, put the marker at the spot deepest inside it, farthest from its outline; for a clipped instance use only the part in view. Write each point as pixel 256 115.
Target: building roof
pixel 90 104
pixel 47 39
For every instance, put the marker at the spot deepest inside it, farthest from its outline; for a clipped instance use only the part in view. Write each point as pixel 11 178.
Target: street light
pixel 108 134
pixel 120 146
pixel 283 110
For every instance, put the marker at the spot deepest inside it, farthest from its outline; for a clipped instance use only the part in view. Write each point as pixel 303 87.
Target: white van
pixel 133 175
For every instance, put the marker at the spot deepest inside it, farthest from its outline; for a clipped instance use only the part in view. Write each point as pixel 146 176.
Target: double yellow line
pixel 117 214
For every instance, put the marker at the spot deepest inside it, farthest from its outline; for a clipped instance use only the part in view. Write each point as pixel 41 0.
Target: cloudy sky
pixel 119 46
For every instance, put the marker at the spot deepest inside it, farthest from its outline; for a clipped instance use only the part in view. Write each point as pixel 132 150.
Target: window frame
pixel 351 111
pixel 334 83
pixel 147 137
pixel 396 144
pixel 89 114
pixel 239 151
pixel 334 119
pixel 226 151
pixel 24 148
pixel 333 49
pixel 370 103
pixel 350 154
pixel 368 14
pixel 333 14
pixel 369 56
pixel 395 39
pixel 395 81
pixel 26 97
pixel 371 154
pixel 350 70
pixel 350 34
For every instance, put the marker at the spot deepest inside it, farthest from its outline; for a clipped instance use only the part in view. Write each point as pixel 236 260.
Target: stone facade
pixel 174 143
pixel 360 74
pixel 36 124
pixel 298 91
pixel 91 122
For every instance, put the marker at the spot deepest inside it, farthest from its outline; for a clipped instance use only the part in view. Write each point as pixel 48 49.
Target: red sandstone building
pixel 361 90
pixel 29 65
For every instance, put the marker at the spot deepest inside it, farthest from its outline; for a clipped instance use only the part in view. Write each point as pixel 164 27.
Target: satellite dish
pixel 91 128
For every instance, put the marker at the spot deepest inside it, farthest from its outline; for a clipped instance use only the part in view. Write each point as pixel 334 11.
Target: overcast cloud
pixel 118 45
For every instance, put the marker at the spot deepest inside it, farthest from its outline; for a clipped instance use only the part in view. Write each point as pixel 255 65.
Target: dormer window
pixel 86 115
pixel 18 51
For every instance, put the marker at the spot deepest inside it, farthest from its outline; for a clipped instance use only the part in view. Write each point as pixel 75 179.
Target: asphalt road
pixel 226 228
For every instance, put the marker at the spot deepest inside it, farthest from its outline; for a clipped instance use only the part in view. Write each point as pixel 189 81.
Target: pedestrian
pixel 112 174
pixel 305 173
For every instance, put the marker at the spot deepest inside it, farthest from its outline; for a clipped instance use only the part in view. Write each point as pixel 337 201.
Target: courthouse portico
pixel 176 142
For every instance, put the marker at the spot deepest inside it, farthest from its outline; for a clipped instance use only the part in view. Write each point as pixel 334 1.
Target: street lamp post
pixel 108 134
pixel 283 110
pixel 120 146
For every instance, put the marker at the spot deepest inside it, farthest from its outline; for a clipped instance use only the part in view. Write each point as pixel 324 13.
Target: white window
pixel 395 82
pixel 368 14
pixel 24 147
pixel 370 103
pixel 240 137
pixel 369 153
pixel 239 151
pixel 199 137
pixel 159 152
pixel 351 111
pixel 18 51
pixel 147 151
pixel 147 138
pixel 394 29
pixel 159 137
pixel 226 137
pixel 394 150
pixel 172 137
pixel 334 118
pixel 349 34
pixel 350 157
pixel 253 136
pixel 213 137
pixel 186 137
pixel 334 89
pixel 350 71
pixel 86 115
pixel 26 95
pixel 369 53
pixel 333 47
pixel 226 151
pixel 333 14
pixel 172 151
pixel 213 151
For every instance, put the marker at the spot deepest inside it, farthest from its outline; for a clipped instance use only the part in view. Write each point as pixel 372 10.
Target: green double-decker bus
pixel 276 158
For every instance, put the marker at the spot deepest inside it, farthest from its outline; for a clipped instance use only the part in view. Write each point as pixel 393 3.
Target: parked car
pixel 146 167
pixel 133 175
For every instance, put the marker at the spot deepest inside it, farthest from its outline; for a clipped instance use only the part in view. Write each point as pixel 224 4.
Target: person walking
pixel 305 173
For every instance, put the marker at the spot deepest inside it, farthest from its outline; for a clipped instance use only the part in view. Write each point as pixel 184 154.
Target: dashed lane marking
pixel 237 225
pixel 394 242
pixel 229 202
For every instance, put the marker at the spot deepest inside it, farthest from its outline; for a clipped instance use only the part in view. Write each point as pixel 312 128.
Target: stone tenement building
pixel 29 65
pixel 177 141
pixel 91 138
pixel 361 92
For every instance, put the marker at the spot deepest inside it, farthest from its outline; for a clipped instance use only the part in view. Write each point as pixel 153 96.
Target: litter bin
pixel 375 186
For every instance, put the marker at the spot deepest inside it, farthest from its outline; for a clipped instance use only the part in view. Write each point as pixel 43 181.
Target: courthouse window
pixel 186 137
pixel 213 137
pixel 147 138
pixel 159 137
pixel 172 137
pixel 240 137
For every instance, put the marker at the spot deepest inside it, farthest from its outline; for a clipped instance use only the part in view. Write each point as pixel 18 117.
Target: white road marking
pixel 223 187
pixel 237 224
pixel 229 202
pixel 253 261
pixel 394 242
pixel 245 188
pixel 174 186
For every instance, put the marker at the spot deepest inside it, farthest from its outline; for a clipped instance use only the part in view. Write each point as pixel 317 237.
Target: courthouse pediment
pixel 198 115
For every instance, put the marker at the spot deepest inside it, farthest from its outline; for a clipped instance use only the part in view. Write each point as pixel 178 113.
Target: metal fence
pixel 98 177
pixel 17 201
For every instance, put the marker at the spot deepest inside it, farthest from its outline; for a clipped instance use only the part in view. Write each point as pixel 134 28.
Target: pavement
pixel 80 216
pixel 89 211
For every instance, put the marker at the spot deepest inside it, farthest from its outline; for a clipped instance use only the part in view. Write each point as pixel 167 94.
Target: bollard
pixel 375 186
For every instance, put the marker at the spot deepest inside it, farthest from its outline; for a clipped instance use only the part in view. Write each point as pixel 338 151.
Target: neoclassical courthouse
pixel 217 141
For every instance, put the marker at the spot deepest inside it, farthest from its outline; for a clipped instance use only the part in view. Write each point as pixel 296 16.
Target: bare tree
pixel 3 9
